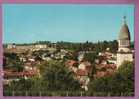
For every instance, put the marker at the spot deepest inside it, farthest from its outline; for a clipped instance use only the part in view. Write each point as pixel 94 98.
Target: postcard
pixel 69 49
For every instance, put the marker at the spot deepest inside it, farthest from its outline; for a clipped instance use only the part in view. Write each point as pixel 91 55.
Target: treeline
pixel 82 46
pixel 90 46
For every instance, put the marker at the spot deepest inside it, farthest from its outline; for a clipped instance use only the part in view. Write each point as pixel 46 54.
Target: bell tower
pixel 124 52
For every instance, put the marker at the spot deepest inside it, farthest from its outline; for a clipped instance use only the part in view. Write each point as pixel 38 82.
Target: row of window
pixel 124 43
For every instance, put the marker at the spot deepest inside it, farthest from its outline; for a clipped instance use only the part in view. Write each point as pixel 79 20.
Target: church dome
pixel 124 32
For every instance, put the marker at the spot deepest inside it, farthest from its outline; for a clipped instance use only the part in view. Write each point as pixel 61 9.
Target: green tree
pixel 120 83
pixel 91 58
pixel 59 78
pixel 12 61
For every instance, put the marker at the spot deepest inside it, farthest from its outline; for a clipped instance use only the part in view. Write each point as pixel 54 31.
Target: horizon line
pixel 63 41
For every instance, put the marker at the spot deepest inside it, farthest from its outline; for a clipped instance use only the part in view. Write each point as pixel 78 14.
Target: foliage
pixel 121 82
pixel 55 77
pixel 58 77
pixel 90 57
pixel 12 61
pixel 89 46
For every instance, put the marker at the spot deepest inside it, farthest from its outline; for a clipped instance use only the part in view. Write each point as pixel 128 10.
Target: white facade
pixel 10 46
pixel 82 66
pixel 40 46
pixel 121 57
pixel 80 57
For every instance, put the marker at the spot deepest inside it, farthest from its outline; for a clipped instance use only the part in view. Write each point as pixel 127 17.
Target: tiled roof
pixel 19 74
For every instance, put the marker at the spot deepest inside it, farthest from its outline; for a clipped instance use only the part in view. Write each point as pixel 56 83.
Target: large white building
pixel 124 52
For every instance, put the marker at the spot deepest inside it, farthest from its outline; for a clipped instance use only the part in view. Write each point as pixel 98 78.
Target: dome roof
pixel 124 32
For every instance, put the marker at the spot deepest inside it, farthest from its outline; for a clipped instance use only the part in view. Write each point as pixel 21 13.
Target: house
pixel 11 46
pixel 84 65
pixel 72 65
pixel 31 59
pixel 104 69
pixel 40 46
pixel 23 59
pixel 82 76
pixel 112 61
pixel 80 57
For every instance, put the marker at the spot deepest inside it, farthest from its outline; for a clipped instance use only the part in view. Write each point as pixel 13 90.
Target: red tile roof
pixel 113 66
pixel 19 74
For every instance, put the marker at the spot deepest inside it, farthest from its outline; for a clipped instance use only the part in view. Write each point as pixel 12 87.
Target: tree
pixel 12 61
pixel 42 67
pixel 21 85
pixel 126 72
pixel 113 46
pixel 59 78
pixel 132 45
pixel 91 58
pixel 122 82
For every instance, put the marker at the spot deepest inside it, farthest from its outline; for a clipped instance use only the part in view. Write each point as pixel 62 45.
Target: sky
pixel 27 23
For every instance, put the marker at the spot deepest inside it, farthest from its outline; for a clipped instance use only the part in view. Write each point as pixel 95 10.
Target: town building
pixel 40 46
pixel 11 46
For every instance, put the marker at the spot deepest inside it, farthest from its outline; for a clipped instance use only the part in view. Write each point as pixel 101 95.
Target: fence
pixel 63 93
